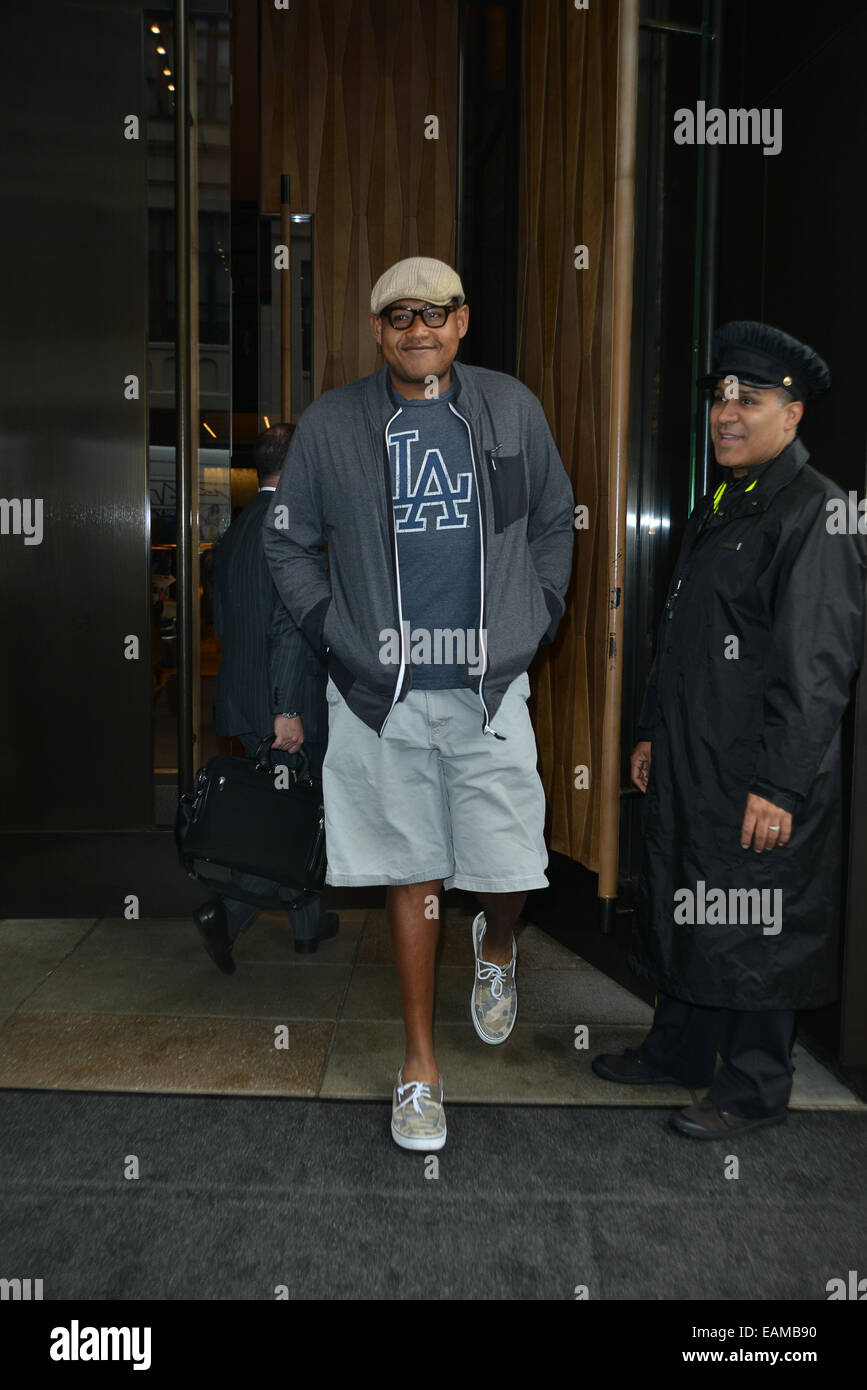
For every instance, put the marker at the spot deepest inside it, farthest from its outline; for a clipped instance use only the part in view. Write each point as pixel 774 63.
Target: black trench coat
pixel 765 570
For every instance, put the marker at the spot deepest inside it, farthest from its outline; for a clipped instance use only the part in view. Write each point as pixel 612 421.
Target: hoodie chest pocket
pixel 508 489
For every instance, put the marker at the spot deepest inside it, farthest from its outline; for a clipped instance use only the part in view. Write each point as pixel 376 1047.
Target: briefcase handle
pixel 264 763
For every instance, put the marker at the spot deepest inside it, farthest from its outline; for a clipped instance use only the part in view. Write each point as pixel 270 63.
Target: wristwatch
pixel 294 715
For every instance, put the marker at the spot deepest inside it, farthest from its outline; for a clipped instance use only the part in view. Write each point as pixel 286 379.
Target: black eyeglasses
pixel 400 316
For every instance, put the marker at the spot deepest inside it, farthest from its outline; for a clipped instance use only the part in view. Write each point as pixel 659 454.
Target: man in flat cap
pixel 448 518
pixel 739 753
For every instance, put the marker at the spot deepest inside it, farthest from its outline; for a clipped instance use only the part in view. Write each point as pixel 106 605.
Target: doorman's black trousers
pixel 755 1078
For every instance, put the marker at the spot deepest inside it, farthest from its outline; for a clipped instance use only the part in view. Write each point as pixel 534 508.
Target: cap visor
pixel 713 378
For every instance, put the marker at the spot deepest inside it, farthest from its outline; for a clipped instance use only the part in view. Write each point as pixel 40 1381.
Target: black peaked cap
pixel 759 355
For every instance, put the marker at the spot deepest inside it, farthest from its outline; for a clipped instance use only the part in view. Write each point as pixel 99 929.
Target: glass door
pixel 212 360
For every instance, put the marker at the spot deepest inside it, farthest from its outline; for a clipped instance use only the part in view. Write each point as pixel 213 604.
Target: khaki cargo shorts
pixel 435 797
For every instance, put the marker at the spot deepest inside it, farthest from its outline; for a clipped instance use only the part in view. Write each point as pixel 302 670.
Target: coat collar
pixel 769 479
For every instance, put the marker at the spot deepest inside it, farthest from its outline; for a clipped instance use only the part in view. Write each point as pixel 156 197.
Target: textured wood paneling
pixel 346 87
pixel 569 64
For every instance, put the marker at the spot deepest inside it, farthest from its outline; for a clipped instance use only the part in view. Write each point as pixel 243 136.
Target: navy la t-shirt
pixel 436 518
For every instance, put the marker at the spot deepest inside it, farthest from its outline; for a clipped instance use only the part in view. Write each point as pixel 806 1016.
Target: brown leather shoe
pixel 707 1122
pixel 629 1070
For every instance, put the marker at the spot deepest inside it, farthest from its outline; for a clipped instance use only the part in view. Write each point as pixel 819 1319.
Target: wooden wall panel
pixel 346 86
pixel 569 65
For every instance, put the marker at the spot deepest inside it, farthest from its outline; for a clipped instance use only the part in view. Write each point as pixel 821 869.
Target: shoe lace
pixel 418 1088
pixel 497 974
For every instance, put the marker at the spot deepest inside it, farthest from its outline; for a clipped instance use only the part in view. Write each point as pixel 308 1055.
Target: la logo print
pixel 432 493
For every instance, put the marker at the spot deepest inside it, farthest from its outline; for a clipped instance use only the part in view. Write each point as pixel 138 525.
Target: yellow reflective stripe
pixel 718 495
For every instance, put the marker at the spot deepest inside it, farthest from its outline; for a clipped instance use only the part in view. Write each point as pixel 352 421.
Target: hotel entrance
pixel 187 276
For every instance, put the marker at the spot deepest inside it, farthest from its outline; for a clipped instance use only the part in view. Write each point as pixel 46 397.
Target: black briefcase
pixel 253 816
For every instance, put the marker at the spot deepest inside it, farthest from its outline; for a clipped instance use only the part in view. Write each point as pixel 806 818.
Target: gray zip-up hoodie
pixel 336 489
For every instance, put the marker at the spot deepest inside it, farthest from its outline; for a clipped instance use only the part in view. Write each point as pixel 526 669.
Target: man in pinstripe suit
pixel 270 679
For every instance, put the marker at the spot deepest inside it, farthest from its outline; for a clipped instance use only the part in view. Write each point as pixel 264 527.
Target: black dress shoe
pixel 211 922
pixel 629 1070
pixel 707 1122
pixel 309 945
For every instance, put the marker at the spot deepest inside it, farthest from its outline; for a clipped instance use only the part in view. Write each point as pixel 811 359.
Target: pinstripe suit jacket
pixel 267 666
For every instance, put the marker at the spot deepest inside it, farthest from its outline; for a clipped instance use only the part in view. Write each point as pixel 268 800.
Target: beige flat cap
pixel 418 277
